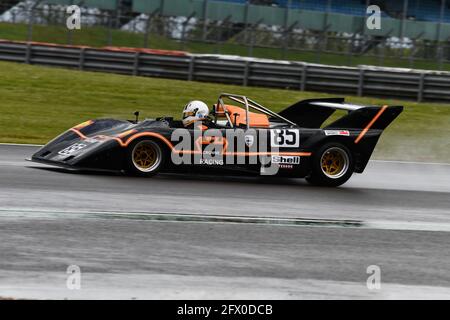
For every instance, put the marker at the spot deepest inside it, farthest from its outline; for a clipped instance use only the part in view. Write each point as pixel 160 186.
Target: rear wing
pixel 366 122
pixel 314 112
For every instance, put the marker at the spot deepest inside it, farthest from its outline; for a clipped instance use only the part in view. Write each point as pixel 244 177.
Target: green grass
pixel 98 37
pixel 37 103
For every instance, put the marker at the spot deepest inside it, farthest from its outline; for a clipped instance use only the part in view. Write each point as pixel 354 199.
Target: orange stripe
pixel 300 154
pixel 83 125
pixel 170 145
pixel 143 134
pixel 82 136
pixel 157 135
pixel 126 133
pixel 362 134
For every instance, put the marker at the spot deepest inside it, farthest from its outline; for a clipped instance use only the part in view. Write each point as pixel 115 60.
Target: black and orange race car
pixel 304 140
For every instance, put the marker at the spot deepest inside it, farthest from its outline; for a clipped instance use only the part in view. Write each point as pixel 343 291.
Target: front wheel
pixel 332 165
pixel 145 158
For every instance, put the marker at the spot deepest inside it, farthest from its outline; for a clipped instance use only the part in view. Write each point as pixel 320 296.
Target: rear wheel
pixel 145 158
pixel 332 165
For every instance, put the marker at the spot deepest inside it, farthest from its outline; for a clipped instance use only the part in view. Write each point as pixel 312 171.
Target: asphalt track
pixel 182 236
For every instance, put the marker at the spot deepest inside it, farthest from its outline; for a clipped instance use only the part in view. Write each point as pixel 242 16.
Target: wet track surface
pixel 41 233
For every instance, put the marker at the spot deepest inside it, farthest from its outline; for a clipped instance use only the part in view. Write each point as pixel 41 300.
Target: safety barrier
pixel 410 84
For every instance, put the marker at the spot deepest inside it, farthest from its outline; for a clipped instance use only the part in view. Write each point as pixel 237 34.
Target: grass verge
pixel 37 103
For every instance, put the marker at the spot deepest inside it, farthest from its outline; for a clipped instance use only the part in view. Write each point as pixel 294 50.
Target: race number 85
pixel 287 138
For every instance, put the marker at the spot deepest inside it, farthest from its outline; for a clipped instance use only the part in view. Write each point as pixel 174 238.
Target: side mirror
pixel 136 114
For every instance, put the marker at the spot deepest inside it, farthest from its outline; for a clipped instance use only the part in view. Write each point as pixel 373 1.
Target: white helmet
pixel 194 111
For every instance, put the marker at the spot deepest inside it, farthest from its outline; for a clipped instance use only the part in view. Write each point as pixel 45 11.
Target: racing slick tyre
pixel 145 158
pixel 332 165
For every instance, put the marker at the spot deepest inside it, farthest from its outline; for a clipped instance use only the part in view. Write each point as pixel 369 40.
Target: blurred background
pixel 413 34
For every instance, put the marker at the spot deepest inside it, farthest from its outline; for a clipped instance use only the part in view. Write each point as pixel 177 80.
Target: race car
pixel 240 136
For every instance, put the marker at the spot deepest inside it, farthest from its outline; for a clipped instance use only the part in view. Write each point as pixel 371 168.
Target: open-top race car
pixel 239 134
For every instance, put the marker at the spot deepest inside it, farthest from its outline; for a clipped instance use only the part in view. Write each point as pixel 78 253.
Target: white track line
pixel 412 162
pixel 173 217
pixel 21 144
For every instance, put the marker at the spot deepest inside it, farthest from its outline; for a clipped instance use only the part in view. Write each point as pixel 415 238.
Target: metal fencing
pixel 363 80
pixel 291 41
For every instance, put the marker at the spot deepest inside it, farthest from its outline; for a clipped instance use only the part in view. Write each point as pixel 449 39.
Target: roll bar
pixel 248 103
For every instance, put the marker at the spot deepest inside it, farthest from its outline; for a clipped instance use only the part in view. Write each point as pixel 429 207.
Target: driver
pixel 195 111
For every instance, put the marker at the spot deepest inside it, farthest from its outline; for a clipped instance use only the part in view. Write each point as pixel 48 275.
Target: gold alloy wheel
pixel 334 162
pixel 146 156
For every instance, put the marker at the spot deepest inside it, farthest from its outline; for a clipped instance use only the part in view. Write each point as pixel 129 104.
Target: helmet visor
pixel 188 114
